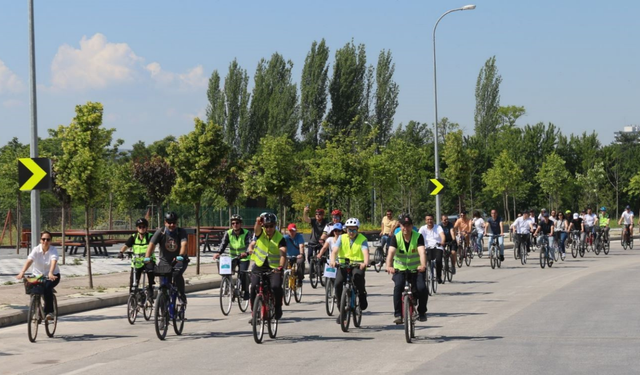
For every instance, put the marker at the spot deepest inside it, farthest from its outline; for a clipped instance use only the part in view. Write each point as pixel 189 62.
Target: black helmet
pixel 405 219
pixel 142 221
pixel 171 217
pixel 236 217
pixel 269 218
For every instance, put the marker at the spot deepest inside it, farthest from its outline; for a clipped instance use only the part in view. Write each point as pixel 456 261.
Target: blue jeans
pixel 500 243
pixel 563 238
pixel 540 240
pixel 383 241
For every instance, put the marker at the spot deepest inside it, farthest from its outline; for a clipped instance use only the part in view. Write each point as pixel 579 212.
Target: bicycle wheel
pixel 313 276
pixel 320 273
pixel 460 256
pixel 434 280
pixel 429 277
pixel 556 253
pixel 523 253
pixel 329 297
pixel 623 241
pixel 345 311
pixel 543 253
pixel 492 257
pixel 377 259
pixel 34 317
pixel 357 316
pixel 258 319
pixel 287 287
pixel 449 274
pixel 161 316
pixel 243 304
pixel 549 259
pixel 298 294
pixel 272 325
pixel 132 307
pixel 574 249
pixel 597 247
pixel 498 261
pixel 469 255
pixel 148 306
pixel 631 242
pixel 607 246
pixel 178 317
pixel 226 295
pixel 406 309
pixel 51 325
pixel 516 249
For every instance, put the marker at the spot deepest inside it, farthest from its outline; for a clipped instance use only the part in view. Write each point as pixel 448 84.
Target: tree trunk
pixel 86 244
pixel 110 211
pixel 63 237
pixel 197 238
pixel 229 216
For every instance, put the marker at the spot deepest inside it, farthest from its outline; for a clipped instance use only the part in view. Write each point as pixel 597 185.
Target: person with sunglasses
pixel 450 240
pixel 172 241
pixel 336 217
pixel 433 240
pixel 138 243
pixel 463 227
pixel 317 225
pixel 44 259
pixel 335 233
pixel 352 246
pixel 269 254
pixel 295 248
pixel 238 240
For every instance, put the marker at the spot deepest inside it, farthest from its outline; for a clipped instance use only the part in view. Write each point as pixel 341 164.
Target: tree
pixel 387 91
pixel 216 110
pixel 591 184
pixel 552 177
pixel 196 158
pixel 504 178
pixel 313 92
pixel 10 195
pixel 347 90
pixel 80 170
pixel 237 97
pixel 510 114
pixel 161 148
pixel 157 177
pixel 486 115
pixel 458 161
pixel 127 191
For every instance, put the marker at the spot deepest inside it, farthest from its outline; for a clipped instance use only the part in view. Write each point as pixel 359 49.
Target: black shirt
pixel 394 243
pixel 545 227
pixel 447 231
pixel 577 224
pixel 169 242
pixel 495 225
pixel 316 230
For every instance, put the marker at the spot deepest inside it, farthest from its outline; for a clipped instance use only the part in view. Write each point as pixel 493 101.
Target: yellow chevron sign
pixel 34 174
pixel 435 186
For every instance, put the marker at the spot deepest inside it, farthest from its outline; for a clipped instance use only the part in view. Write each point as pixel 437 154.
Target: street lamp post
pixel 435 89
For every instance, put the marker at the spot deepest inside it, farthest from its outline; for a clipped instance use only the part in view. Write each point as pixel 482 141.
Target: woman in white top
pixel 478 223
pixel 336 231
pixel 560 230
pixel 44 261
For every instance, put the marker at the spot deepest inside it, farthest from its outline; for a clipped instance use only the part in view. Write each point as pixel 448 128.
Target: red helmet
pixel 336 213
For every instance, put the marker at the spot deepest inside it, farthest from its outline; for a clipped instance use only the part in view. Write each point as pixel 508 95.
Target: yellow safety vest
pixel 407 258
pixel 352 252
pixel 140 247
pixel 267 249
pixel 237 244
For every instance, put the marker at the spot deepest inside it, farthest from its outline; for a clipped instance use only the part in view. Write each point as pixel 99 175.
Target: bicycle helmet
pixel 567 212
pixel 336 213
pixel 269 218
pixel 236 217
pixel 352 222
pixel 405 219
pixel 320 211
pixel 142 222
pixel 603 208
pixel 171 217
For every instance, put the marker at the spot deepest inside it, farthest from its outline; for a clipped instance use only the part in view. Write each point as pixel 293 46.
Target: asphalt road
pixel 579 317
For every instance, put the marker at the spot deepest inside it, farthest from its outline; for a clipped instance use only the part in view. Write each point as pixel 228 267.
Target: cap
pixel 546 214
pixel 337 226
pixel 575 216
pixel 544 210
pixel 628 207
pixel 292 226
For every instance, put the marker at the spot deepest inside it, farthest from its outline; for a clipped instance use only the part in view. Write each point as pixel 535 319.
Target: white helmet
pixel 352 222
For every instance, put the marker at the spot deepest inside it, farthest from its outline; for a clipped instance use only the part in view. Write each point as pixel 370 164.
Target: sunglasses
pixel 335 217
pixel 141 227
pixel 171 222
pixel 352 230
pixel 46 239
pixel 269 226
pixel 235 223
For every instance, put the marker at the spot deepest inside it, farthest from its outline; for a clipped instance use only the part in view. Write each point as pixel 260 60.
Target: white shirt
pixel 589 220
pixel 479 224
pixel 627 217
pixel 522 226
pixel 431 236
pixel 42 262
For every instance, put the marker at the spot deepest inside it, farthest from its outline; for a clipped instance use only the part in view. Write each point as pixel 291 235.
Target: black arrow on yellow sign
pixel 436 186
pixel 34 173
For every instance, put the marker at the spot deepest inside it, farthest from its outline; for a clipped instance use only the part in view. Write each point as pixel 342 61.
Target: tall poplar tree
pixel 313 89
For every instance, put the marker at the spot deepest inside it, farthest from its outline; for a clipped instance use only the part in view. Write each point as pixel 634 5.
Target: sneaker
pixel 299 282
pixel 363 303
pixel 278 313
pixel 502 258
pixel 49 317
pixel 453 270
pixel 246 296
pixel 562 256
pixel 422 318
pixel 440 281
pixel 397 320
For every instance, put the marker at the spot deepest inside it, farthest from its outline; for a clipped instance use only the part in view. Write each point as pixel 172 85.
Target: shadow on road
pixel 208 335
pixel 90 337
pixel 296 339
pixel 2 354
pixel 440 339
pixel 473 282
pixel 92 318
pixel 452 315
pixel 463 293
pixel 394 327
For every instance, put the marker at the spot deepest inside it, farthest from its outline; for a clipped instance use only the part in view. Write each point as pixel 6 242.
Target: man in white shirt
pixel 627 217
pixel 590 222
pixel 433 239
pixel 523 226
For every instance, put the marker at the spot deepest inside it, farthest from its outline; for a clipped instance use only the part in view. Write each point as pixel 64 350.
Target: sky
pixel 572 63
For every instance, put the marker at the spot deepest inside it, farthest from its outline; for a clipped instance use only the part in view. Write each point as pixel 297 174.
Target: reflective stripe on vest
pixel 407 258
pixel 353 252
pixel 267 249
pixel 140 247
pixel 237 244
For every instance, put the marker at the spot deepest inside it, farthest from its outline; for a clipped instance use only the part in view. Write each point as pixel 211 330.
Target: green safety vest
pixel 140 247
pixel 603 221
pixel 407 258
pixel 267 249
pixel 354 251
pixel 237 244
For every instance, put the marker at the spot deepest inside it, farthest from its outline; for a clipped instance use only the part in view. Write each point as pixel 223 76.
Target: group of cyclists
pixel 334 242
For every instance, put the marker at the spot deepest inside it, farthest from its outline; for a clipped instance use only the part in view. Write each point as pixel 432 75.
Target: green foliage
pixel 156 177
pixel 552 177
pixel 313 92
pixel 128 192
pixel 387 91
pixel 9 189
pixel 486 115
pixel 459 160
pixel 510 114
pixel 216 111
pixel 237 104
pixel 505 179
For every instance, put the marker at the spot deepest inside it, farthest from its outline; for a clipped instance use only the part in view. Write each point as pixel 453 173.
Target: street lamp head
pixel 468 7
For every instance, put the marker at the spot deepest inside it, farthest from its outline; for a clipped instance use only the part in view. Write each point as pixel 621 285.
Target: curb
pixel 93 303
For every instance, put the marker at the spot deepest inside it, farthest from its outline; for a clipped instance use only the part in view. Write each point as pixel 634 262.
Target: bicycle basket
pixel 163 269
pixel 33 286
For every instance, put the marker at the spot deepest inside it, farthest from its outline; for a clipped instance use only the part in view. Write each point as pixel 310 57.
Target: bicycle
pixel 478 244
pixel 34 285
pixel 290 281
pixel 446 266
pixel 494 256
pixel 575 243
pixel 626 239
pixel 140 298
pixel 602 242
pixel 463 251
pixel 432 278
pixel 168 306
pixel 316 268
pixel 545 257
pixel 520 247
pixel 380 256
pixel 264 308
pixel 589 240
pixel 349 301
pixel 232 290
pixel 409 311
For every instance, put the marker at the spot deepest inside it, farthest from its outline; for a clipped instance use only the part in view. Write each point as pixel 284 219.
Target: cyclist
pixel 407 251
pixel 449 237
pixel 590 221
pixel 603 222
pixel 388 226
pixel 433 240
pixel 561 229
pixel 495 224
pixel 317 224
pixel 44 259
pixel 577 224
pixel 352 246
pixel 269 254
pixel 238 240
pixel 478 225
pixel 463 227
pixel 627 217
pixel 546 228
pixel 138 243
pixel 328 244
pixel 523 226
pixel 535 220
pixel 295 248
pixel 336 217
pixel 173 250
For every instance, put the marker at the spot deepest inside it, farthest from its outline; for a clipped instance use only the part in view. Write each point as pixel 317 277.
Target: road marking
pixel 84 369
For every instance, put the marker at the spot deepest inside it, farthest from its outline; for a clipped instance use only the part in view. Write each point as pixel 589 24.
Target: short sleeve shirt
pixel 447 230
pixel 389 225
pixel 577 224
pixel 495 225
pixel 431 236
pixel 545 227
pixel 589 220
pixel 169 242
pixel 394 243
pixel 42 261
pixel 316 230
pixel 627 217
pixel 293 244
